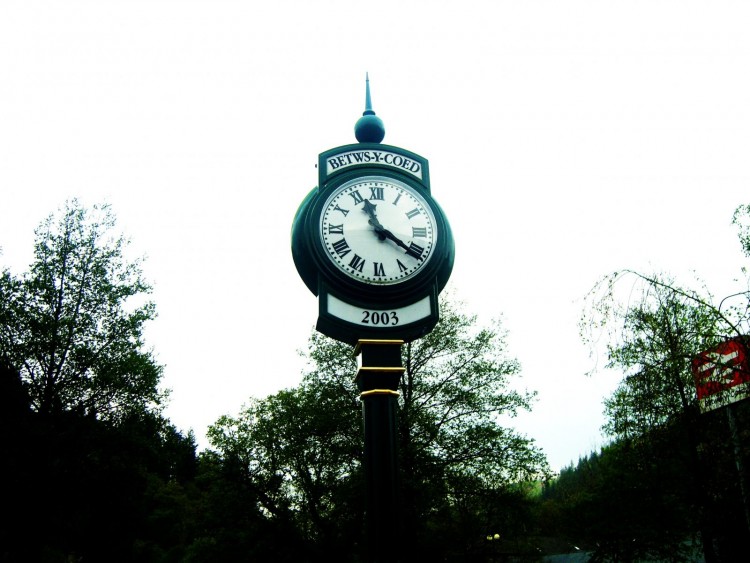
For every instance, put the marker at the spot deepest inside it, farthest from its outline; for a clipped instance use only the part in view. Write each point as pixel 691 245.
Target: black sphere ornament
pixel 369 128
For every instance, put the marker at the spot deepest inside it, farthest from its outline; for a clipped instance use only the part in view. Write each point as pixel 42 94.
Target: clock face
pixel 378 230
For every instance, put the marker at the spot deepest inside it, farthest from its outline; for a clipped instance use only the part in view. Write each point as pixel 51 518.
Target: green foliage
pixel 628 502
pixel 91 469
pixel 300 450
pixel 300 453
pixel 225 521
pixel 69 325
pixel 456 386
pixel 638 499
pixel 651 334
pixel 459 462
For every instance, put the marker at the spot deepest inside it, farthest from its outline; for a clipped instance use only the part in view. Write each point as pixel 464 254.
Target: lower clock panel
pixel 349 322
pixel 376 317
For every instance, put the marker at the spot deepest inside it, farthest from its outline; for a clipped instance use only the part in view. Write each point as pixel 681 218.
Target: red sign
pixel 722 374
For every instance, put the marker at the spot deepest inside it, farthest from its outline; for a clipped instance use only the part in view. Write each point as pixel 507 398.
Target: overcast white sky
pixel 566 139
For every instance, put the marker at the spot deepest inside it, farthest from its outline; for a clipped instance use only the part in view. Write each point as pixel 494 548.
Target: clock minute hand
pixel 394 238
pixel 409 250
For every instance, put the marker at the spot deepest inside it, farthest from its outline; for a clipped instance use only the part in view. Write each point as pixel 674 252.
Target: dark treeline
pixel 644 499
pixel 76 488
pixel 81 488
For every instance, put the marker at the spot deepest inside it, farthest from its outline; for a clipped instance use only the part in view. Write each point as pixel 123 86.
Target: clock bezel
pixel 412 192
pixel 438 266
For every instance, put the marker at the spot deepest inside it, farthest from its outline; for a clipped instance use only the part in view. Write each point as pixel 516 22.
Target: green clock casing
pixel 372 244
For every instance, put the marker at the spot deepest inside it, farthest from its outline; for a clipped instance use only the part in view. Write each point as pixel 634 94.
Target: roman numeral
pixel 401 267
pixel 344 211
pixel 413 213
pixel 417 232
pixel 379 270
pixel 377 193
pixel 415 250
pixel 357 198
pixel 395 201
pixel 341 247
pixel 336 229
pixel 357 263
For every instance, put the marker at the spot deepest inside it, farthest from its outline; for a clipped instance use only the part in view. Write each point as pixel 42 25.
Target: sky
pixel 566 140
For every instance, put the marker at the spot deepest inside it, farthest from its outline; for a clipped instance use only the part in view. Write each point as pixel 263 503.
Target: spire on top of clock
pixel 369 128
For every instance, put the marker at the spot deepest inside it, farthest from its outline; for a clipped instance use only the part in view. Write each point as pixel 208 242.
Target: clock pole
pixel 378 377
pixel 373 245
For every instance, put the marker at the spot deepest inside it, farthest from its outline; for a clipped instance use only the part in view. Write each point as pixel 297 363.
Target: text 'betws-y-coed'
pixel 354 158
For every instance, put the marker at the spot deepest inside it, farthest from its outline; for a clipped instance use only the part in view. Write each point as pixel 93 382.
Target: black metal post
pixel 378 377
pixel 741 473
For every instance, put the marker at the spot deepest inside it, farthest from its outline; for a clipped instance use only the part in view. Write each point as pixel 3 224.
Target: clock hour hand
pixel 369 208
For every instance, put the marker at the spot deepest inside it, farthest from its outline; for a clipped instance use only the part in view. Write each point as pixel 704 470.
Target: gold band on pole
pixel 382 369
pixel 364 394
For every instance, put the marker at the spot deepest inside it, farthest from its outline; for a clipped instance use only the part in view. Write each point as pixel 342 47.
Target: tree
pixel 90 464
pixel 302 448
pixel 297 455
pixel 652 340
pixel 455 452
pixel 72 325
pixel 652 333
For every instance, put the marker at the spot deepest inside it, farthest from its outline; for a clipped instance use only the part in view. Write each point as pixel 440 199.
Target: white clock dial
pixel 378 230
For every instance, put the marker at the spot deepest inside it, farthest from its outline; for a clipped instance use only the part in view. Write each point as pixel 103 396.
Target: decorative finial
pixel 368 100
pixel 369 128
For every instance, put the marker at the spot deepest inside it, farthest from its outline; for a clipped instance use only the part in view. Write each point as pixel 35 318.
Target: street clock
pixel 371 242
